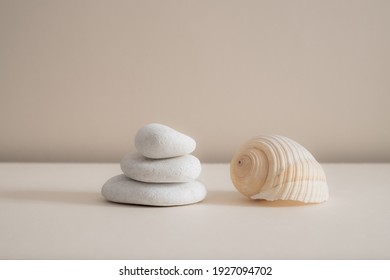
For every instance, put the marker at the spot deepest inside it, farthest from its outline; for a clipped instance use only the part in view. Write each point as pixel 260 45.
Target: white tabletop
pixel 55 211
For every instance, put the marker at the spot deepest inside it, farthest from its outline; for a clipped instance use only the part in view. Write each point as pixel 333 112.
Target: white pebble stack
pixel 161 173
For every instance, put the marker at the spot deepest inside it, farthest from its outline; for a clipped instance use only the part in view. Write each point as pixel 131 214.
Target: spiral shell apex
pixel 275 167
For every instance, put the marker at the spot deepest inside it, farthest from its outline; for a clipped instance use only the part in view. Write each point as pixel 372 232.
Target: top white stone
pixel 158 141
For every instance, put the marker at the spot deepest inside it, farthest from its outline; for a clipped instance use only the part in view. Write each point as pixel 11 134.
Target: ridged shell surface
pixel 273 167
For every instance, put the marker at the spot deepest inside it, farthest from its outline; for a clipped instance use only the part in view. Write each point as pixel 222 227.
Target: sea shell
pixel 275 167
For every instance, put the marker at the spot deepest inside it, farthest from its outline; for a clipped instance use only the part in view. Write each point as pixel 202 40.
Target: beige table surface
pixel 55 211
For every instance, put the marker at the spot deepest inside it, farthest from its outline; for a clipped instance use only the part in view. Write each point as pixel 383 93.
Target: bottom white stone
pixel 125 190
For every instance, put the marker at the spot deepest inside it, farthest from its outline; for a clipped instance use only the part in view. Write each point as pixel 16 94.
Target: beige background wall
pixel 78 78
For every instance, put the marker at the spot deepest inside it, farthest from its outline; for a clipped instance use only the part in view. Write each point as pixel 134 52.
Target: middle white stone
pixel 170 170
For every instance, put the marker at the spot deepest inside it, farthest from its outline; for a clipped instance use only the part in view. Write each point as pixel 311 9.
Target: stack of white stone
pixel 161 173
